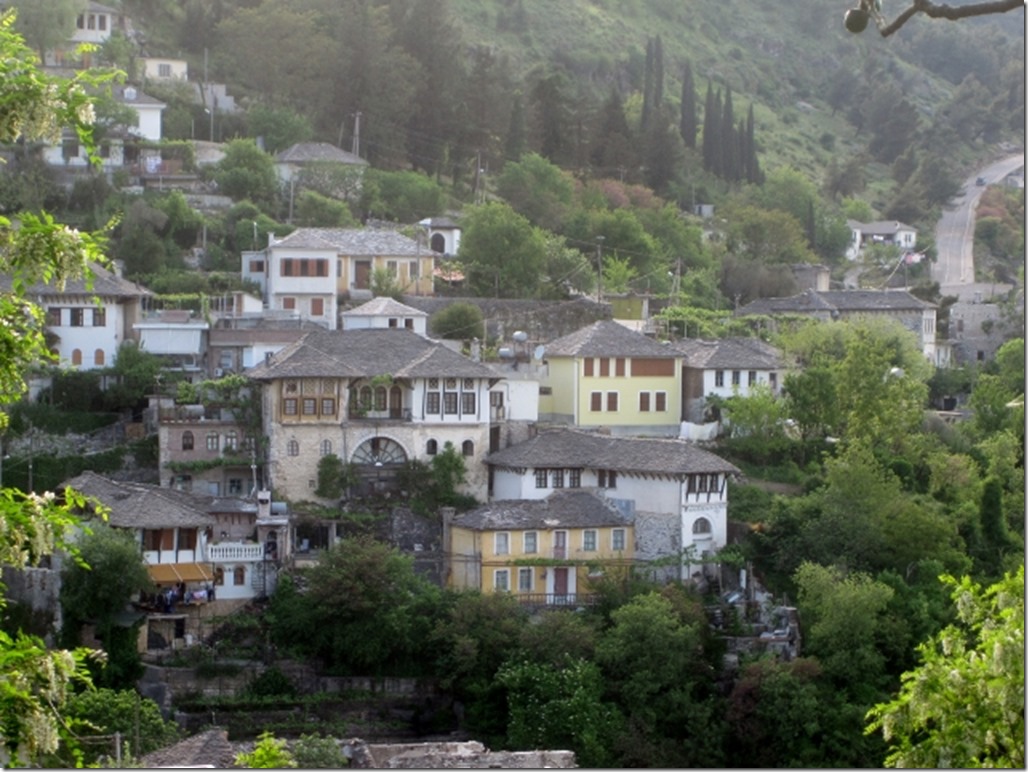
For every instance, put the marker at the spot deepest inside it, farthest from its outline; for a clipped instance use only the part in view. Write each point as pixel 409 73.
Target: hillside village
pixel 600 466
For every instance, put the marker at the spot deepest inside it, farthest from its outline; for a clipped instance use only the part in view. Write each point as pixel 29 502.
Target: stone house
pixel 375 398
pixel 675 493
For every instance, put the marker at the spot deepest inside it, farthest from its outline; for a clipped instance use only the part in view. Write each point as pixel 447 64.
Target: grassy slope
pixel 779 56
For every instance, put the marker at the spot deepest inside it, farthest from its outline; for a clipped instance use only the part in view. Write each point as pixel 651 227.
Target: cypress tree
pixel 688 124
pixel 711 118
pixel 647 105
pixel 515 144
pixel 729 149
pixel 658 74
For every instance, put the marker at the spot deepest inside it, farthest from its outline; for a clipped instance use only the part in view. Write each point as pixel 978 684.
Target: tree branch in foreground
pixel 943 11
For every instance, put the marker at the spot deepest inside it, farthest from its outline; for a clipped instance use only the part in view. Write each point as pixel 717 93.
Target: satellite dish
pixel 520 336
pixel 539 352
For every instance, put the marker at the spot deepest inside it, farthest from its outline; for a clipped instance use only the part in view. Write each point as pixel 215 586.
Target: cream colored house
pixel 606 375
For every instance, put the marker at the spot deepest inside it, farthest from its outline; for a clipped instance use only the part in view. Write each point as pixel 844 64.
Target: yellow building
pixel 607 375
pixel 546 551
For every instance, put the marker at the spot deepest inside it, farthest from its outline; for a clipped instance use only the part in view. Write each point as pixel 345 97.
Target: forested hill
pixel 443 84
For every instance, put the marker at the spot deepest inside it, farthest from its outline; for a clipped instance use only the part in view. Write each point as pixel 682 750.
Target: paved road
pixel 954 235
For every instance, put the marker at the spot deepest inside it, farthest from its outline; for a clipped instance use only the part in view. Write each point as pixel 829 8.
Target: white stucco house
pixel 385 313
pixel 676 492
pixel 879 232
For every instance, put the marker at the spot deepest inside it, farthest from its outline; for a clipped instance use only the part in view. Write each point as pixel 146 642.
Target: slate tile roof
pixel 210 748
pixel 563 509
pixel 383 306
pixel 106 284
pixel 306 152
pixel 566 448
pixel 397 352
pixel 729 353
pixel 136 505
pixel 879 227
pixel 851 301
pixel 606 338
pixel 354 241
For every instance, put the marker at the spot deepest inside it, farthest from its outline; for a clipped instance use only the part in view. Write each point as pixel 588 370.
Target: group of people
pixel 166 599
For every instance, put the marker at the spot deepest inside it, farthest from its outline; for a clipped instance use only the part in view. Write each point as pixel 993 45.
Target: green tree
pixel 502 253
pixel 689 124
pixel 100 712
pixel 963 706
pixel 100 589
pixel 458 321
pixel 247 172
pixel 312 751
pixel 136 372
pixel 537 189
pixel 402 196
pixel 314 210
pixel 48 24
pixel 37 681
pixel 280 127
pixel 560 707
pixel 842 614
pixel 567 270
pixel 270 752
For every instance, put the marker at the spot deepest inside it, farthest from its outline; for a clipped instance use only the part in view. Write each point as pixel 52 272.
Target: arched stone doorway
pixel 377 460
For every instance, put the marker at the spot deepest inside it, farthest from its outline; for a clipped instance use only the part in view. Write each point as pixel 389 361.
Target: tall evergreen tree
pixel 658 74
pixel 549 103
pixel 516 144
pixel 688 125
pixel 647 105
pixel 711 118
pixel 729 148
pixel 612 149
pixel 663 150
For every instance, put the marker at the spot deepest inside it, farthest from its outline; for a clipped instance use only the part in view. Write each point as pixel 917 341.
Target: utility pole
pixel 357 133
pixel 599 268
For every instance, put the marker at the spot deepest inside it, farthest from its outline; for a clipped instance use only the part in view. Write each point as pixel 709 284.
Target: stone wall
pixel 543 320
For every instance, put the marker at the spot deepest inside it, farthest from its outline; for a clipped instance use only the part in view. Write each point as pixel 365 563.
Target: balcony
pixel 392 414
pixel 227 552
pixel 571 600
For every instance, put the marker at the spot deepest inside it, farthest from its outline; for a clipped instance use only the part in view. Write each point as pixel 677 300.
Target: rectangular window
pixel 644 402
pixel 540 478
pixel 617 539
pixel 574 478
pixel 596 401
pixel 432 403
pixel 77 317
pixel 392 268
pixel 501 580
pixel 752 377
pixel 525 579
pixel 719 377
pixel 164 70
pixel 589 540
pixel 289 406
pixel 450 402
pixel 660 398
pixel 310 406
pixel 187 539
pixel 467 403
pixel 612 401
pixel 288 304
pixel 53 316
pixel 213 438
pixel 328 406
pixel 735 377
pixel 502 543
pixel 531 545
pixel 587 363
pixel 772 379
pixel 256 266
pixel 317 306
pixel 619 367
pixel 558 478
pixel 99 317
pixel 604 367
pixel 607 478
pixel 102 19
pixel 412 269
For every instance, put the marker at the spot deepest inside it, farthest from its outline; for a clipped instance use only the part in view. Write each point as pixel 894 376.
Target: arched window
pixel 438 243
pixel 326 447
pixel 365 398
pixel 293 448
pixel 76 357
pixel 467 448
pixel 98 357
pixel 701 526
pixel 379 451
pixel 380 398
pixel 187 440
pixel 219 575
pixel 431 447
pixel 239 576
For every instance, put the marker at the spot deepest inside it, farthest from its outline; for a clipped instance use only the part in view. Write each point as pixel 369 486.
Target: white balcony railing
pixel 231 551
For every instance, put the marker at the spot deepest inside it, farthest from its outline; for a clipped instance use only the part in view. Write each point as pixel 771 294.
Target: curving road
pixel 954 235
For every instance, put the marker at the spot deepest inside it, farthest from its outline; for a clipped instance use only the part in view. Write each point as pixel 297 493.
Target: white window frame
pixel 501 580
pixel 534 547
pixel 618 535
pixel 589 540
pixel 501 543
pixel 524 586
